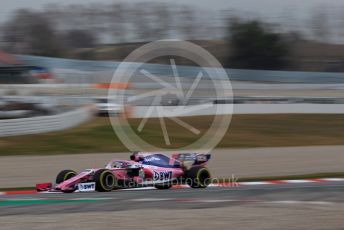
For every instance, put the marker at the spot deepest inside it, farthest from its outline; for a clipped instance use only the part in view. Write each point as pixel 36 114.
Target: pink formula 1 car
pixel 143 169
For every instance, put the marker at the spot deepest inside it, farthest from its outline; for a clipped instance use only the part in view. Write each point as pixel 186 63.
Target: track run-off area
pixel 278 204
pixel 302 192
pixel 225 163
pixel 304 205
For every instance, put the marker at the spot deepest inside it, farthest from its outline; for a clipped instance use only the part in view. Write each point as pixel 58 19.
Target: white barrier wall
pixel 199 110
pixel 288 109
pixel 43 124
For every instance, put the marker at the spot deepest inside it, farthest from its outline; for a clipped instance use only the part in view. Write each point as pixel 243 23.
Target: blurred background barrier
pixel 81 71
pixel 43 124
pixel 288 109
pixel 209 109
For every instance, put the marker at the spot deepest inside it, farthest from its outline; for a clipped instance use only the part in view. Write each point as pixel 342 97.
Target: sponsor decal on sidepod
pixel 87 187
pixel 162 176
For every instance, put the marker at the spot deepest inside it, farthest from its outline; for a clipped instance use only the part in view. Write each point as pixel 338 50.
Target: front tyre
pixel 65 175
pixel 198 177
pixel 105 180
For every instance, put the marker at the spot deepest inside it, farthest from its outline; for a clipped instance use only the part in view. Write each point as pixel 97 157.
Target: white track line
pixel 334 179
pixel 93 198
pixel 152 199
pixel 24 199
pixel 299 202
pixel 297 181
pixel 191 200
pixel 253 183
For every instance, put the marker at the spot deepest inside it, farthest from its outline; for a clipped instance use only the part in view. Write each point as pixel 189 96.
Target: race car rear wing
pixel 196 158
pixel 189 159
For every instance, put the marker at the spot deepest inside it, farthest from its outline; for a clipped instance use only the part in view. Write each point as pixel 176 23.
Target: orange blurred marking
pixel 112 85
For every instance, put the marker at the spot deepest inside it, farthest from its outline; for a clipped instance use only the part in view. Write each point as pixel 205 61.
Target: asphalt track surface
pixel 280 206
pixel 252 162
pixel 297 206
pixel 320 193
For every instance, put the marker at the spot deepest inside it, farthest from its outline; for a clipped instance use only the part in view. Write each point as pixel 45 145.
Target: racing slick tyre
pixel 163 186
pixel 105 180
pixel 198 177
pixel 65 175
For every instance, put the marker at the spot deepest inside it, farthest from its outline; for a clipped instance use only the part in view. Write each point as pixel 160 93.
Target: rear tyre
pixel 65 175
pixel 105 180
pixel 198 177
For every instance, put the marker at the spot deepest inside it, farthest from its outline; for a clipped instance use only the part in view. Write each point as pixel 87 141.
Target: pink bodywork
pixel 153 174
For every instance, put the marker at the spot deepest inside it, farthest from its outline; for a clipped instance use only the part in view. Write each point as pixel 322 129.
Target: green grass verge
pixel 245 131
